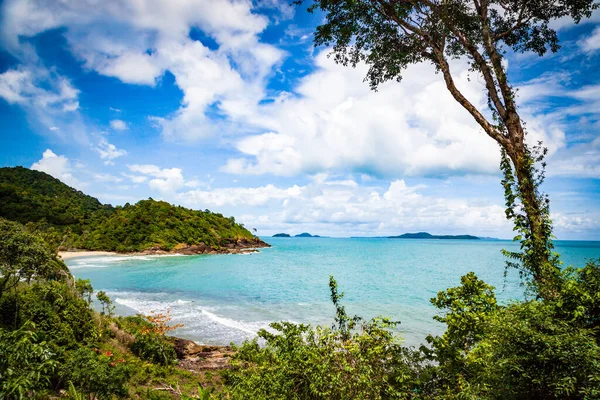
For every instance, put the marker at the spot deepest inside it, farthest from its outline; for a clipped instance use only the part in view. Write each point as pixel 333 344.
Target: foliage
pixel 61 317
pixel 24 256
pixel 101 374
pixel 300 362
pixel 107 304
pixel 154 348
pixel 157 224
pixel 466 309
pixel 32 196
pixel 159 324
pixel 536 349
pixel 536 261
pixel 66 218
pixel 149 331
pixel 26 363
pixel 525 352
pixel 579 299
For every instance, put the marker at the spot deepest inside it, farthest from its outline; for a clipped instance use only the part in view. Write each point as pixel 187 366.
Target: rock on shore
pixel 230 247
pixel 196 357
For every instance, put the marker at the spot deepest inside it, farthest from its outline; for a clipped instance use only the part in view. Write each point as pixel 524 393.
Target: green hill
pixel 34 196
pixel 68 218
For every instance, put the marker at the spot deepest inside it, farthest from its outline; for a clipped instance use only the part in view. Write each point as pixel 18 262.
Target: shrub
pixel 527 353
pixel 100 374
pixel 341 362
pixel 26 363
pixel 154 348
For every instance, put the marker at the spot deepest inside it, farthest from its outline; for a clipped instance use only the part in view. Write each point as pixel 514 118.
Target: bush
pixel 154 348
pixel 527 353
pixel 26 363
pixel 300 362
pixel 100 374
pixel 60 315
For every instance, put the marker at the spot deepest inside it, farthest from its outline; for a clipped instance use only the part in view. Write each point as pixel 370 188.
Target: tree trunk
pixel 538 249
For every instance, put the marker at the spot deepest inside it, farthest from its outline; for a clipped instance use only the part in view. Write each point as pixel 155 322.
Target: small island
pixel 426 235
pixel 300 235
pixel 306 235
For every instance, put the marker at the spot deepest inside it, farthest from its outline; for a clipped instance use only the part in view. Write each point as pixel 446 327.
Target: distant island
pixel 306 234
pixel 300 235
pixel 425 235
pixel 71 220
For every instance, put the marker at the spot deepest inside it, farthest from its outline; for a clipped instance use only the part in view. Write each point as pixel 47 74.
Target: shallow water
pixel 227 298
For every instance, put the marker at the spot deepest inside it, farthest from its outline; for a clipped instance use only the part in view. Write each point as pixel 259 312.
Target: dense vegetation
pixel 51 340
pixel 67 218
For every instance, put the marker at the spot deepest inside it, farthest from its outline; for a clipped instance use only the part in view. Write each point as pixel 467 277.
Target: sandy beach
pixel 65 255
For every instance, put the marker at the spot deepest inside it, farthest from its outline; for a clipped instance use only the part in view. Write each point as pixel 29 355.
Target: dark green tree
pixel 24 256
pixel 389 35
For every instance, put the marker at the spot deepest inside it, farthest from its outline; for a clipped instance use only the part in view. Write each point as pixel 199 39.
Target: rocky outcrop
pixel 228 247
pixel 197 357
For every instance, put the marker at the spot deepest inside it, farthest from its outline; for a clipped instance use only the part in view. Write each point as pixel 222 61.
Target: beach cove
pixel 227 298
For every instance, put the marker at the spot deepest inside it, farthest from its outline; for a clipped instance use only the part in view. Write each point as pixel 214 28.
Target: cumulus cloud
pixel 118 125
pixel 27 87
pixel 345 207
pixel 336 123
pixel 137 41
pixel 58 166
pixel 108 152
pixel 165 180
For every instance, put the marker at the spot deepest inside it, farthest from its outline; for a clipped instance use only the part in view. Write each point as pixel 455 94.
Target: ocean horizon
pixel 227 298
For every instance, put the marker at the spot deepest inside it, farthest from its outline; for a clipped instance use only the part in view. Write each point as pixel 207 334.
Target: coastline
pixel 233 247
pixel 69 254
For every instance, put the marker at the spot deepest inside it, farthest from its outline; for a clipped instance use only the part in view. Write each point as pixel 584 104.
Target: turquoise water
pixel 227 298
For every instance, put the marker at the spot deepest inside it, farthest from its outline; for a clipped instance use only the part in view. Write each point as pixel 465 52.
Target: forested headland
pixel 70 219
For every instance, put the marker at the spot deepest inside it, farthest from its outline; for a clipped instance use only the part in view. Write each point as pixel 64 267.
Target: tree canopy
pixel 390 35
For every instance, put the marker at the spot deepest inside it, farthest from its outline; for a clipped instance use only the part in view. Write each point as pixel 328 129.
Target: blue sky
pixel 226 105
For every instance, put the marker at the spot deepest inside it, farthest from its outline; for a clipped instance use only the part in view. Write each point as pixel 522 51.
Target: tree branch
pixel 490 129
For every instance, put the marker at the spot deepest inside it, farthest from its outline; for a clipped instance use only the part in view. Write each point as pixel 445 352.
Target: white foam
pixel 201 320
pixel 86 265
pixel 230 323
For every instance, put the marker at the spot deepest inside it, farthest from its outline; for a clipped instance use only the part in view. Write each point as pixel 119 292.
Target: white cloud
pixel 108 152
pixel 592 42
pixel 118 125
pixel 137 41
pixel 136 178
pixel 166 180
pixel 25 86
pixel 50 100
pixel 239 196
pixel 57 166
pixel 336 123
pixel 344 207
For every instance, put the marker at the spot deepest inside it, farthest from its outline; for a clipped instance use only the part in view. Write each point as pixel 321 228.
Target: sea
pixel 222 299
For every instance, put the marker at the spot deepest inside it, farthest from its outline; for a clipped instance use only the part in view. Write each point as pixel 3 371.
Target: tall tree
pixel 389 35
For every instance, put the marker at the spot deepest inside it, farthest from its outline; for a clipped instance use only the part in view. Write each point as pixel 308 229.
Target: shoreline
pixel 237 247
pixel 67 255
